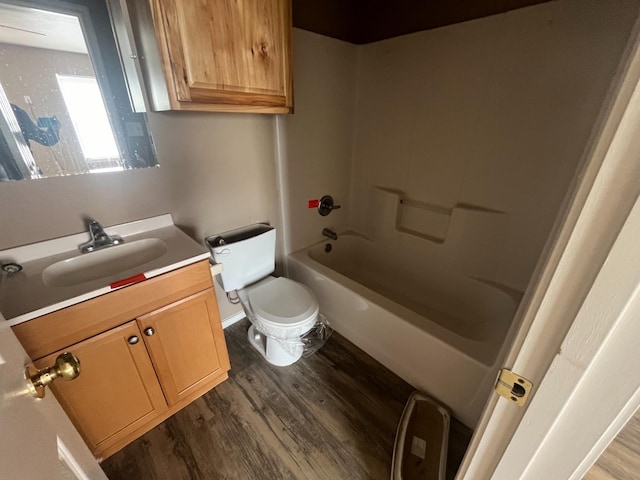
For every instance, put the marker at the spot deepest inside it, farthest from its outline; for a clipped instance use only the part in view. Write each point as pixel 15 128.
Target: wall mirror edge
pixel 134 148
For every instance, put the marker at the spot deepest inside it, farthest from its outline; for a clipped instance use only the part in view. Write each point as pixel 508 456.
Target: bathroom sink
pixel 56 275
pixel 103 263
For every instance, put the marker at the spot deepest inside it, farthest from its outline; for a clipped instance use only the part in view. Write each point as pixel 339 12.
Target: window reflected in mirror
pixel 57 115
pixel 90 122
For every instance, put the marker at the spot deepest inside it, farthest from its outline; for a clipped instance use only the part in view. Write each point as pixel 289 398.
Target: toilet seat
pixel 283 303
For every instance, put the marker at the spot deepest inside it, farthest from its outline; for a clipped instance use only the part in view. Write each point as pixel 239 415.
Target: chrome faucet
pixel 99 238
pixel 330 233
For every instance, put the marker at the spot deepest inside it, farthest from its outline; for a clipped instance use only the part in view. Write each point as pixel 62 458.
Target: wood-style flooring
pixel 621 459
pixel 332 415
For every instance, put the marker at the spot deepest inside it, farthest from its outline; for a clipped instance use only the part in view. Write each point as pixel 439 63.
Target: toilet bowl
pixel 281 310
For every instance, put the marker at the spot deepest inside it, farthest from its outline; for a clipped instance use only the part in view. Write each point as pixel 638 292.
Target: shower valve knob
pixel 326 205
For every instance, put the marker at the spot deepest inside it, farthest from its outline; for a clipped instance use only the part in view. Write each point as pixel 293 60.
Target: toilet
pixel 281 311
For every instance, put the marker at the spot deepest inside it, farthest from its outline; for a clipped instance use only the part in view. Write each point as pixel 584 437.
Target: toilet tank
pixel 247 254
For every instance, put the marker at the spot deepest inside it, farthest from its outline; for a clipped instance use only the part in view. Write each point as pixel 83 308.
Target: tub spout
pixel 330 233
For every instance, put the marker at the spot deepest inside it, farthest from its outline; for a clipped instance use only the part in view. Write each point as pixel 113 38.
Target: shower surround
pixel 451 151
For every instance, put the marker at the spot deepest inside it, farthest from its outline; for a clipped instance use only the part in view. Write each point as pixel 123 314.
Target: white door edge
pixel 37 439
pixel 66 456
pixel 593 216
pixel 592 378
pixel 608 435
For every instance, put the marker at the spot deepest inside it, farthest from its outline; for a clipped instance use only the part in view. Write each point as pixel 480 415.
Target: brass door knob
pixel 67 367
pixel 149 331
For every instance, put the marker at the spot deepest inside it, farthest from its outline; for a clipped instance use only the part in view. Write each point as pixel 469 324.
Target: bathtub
pixel 439 331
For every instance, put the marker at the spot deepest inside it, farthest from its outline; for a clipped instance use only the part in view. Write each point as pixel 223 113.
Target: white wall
pixel 485 116
pixel 492 113
pixel 316 142
pixel 217 171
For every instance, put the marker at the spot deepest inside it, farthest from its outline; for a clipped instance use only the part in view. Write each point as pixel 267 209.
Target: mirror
pixel 60 113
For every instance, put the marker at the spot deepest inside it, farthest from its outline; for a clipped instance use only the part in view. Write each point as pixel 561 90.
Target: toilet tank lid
pixel 283 302
pixel 237 235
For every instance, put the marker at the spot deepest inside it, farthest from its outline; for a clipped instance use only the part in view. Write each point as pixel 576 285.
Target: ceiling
pixel 355 21
pixel 365 21
pixel 41 29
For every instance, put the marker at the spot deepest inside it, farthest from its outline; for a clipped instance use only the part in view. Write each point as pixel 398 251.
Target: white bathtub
pixel 438 331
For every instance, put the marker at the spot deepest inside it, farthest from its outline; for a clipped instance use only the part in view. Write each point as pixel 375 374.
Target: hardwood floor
pixel 621 459
pixel 332 415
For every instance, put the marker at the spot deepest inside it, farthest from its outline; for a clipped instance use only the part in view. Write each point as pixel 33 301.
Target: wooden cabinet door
pixel 230 53
pixel 117 390
pixel 186 344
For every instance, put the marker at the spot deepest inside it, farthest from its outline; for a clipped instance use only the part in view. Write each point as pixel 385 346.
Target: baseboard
pixel 227 322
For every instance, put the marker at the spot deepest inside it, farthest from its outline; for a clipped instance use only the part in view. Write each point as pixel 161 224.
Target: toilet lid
pixel 283 302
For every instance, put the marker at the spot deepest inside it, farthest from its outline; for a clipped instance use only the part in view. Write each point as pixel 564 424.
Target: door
pixel 37 440
pixel 118 378
pixel 593 384
pixel 186 343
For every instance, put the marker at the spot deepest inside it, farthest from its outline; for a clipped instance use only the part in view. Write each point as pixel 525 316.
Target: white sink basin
pixel 103 263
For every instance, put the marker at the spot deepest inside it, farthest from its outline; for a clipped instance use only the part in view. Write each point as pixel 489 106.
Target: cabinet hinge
pixel 513 387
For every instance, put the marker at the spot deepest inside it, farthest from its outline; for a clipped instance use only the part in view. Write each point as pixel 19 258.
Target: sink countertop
pixel 24 295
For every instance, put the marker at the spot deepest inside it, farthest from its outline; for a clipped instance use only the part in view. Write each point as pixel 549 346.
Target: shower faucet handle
pixel 326 205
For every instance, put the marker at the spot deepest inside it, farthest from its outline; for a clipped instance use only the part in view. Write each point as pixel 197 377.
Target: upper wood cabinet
pixel 215 55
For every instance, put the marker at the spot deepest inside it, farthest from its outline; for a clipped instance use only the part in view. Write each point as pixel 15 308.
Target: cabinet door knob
pixel 67 367
pixel 133 339
pixel 149 331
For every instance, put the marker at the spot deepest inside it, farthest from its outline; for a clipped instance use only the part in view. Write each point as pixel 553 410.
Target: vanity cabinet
pixel 117 391
pixel 145 351
pixel 181 340
pixel 214 55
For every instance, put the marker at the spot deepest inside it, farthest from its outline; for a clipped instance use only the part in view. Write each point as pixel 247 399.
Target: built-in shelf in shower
pixel 421 219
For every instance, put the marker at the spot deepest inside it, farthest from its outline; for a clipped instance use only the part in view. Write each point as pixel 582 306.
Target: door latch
pixel 513 387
